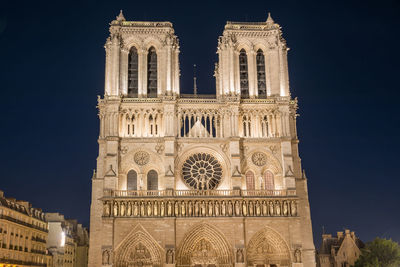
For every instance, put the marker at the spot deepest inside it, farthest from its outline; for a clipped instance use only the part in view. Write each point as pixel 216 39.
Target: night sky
pixel 343 67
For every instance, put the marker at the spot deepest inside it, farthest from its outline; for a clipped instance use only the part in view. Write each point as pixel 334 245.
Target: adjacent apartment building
pixel 30 237
pixel 340 251
pixel 23 234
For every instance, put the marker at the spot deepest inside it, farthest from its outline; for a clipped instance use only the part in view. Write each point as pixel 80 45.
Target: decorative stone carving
pixel 141 158
pixel 106 257
pixel 199 208
pixel 170 256
pixel 202 171
pixel 297 256
pixel 259 159
pixel 239 255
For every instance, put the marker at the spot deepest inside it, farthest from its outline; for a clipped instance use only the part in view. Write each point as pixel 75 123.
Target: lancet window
pixel 131 180
pixel 152 180
pixel 133 81
pixel 262 89
pixel 243 71
pixel 130 125
pixel 152 73
pixel 246 126
pixel 200 124
pixel 264 126
pixel 250 180
pixel 269 180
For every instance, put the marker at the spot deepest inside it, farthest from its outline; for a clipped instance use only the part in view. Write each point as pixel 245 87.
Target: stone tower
pixel 198 180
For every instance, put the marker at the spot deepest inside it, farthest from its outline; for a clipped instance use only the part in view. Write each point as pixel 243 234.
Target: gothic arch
pixel 268 247
pixel 207 239
pixel 139 247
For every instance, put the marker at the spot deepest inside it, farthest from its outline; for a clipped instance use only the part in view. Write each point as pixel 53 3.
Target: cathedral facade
pixel 198 180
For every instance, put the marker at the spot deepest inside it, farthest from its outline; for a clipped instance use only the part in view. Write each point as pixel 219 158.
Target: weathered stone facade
pixel 198 180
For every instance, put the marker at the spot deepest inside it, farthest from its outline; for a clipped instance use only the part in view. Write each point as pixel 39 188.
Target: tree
pixel 379 253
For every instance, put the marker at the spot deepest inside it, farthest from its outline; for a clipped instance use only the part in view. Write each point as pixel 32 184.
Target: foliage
pixel 379 253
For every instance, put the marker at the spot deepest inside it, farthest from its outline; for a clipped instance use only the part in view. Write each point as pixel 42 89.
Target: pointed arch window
pixel 262 88
pixel 152 73
pixel 131 180
pixel 250 180
pixel 133 74
pixel 152 180
pixel 269 180
pixel 243 71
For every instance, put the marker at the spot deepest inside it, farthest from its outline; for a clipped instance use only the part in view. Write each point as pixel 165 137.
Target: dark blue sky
pixel 343 65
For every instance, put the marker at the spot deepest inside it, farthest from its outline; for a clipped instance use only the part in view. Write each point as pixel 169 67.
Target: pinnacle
pixel 269 19
pixel 120 17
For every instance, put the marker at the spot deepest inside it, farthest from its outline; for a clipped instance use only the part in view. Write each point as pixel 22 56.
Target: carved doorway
pixel 204 246
pixel 268 249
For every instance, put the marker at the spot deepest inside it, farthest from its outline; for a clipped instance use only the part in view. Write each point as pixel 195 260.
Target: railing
pixel 199 193
pixel 8 218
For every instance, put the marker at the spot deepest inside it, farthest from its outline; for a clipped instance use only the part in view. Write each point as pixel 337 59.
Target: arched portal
pixel 138 249
pixel 204 245
pixel 267 248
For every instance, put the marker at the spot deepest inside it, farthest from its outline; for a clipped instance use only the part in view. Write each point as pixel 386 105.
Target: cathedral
pixel 191 180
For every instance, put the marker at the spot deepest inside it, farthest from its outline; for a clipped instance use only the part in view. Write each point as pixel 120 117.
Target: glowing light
pixel 62 239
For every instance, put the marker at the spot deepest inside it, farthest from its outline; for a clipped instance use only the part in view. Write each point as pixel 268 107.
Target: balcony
pixel 170 193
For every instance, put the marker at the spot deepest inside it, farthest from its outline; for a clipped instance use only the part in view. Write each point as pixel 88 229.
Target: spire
pixel 121 17
pixel 194 80
pixel 269 19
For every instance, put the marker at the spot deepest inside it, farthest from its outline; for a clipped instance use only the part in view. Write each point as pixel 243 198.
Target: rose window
pixel 202 171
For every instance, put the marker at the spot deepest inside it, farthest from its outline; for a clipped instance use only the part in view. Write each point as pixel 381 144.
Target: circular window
pixel 202 171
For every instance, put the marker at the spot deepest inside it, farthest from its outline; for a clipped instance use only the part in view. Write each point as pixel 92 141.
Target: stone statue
pixel 271 208
pixel 155 208
pixel 216 208
pixel 293 208
pixel 285 208
pixel 162 209
pixel 142 210
pixel 297 256
pixel 169 208
pixel 251 208
pixel 170 256
pixel 135 209
pixel 210 208
pixel 176 208
pixel 277 208
pixel 237 208
pixel 203 208
pixel 190 208
pixel 196 208
pixel 107 209
pixel 183 208
pixel 239 255
pixel 223 208
pixel 264 208
pixel 106 257
pixel 258 209
pixel 244 208
pixel 230 208
pixel 149 208
pixel 122 209
pixel 129 209
pixel 115 209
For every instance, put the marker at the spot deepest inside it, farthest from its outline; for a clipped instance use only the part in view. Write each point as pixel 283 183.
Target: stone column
pixel 123 71
pixel 251 72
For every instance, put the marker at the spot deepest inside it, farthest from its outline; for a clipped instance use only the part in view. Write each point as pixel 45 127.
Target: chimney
pixel 353 236
pixel 1 193
pixel 339 235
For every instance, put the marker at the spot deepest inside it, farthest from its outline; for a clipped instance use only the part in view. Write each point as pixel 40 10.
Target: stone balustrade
pixel 198 193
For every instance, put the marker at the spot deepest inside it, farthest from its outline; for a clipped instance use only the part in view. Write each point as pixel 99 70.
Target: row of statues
pixel 199 208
